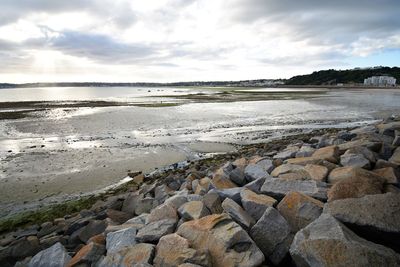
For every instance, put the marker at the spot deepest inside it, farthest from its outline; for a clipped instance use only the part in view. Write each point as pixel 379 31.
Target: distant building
pixel 380 81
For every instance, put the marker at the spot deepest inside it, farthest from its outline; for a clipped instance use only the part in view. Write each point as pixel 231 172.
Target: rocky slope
pixel 331 201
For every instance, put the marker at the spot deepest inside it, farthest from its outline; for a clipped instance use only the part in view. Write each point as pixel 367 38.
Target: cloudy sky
pixel 181 40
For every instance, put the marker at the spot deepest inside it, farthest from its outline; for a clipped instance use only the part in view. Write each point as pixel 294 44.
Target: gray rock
pixel 176 201
pixel 378 216
pixel 272 235
pixel 253 172
pixel 237 176
pixel 305 151
pixel 161 193
pixel 232 193
pixel 345 135
pixel 93 228
pixel 145 205
pixel 327 242
pixel 54 256
pixel 130 202
pixel 213 202
pixel 354 160
pixel 395 157
pixel 289 152
pixel 193 210
pixel 286 168
pixel 194 197
pixel 237 213
pixel 266 164
pixel 255 186
pixel 153 231
pixel 280 187
pixel 118 240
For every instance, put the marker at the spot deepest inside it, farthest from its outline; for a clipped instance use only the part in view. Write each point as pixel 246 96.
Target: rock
pixel 93 228
pixel 232 193
pixel 255 204
pixel 317 172
pixel 368 154
pixel 299 210
pixel 213 202
pixel 173 250
pixel 345 135
pixel 327 242
pixel 329 153
pixel 176 201
pixel 88 254
pixel 360 183
pixel 388 128
pixel 54 256
pixel 254 172
pixel 339 174
pixel 272 235
pixel 286 168
pixel 372 145
pixel 194 197
pixel 131 256
pixel 375 216
pixel 221 181
pixel 153 231
pixel 118 240
pixel 303 161
pixel 395 157
pixel 390 174
pixel 161 193
pixel 305 151
pixel 255 186
pixel 237 176
pixel 396 141
pixel 193 210
pixel 289 152
pixel 354 160
pixel 380 163
pixel 24 247
pixel 228 244
pixel 300 175
pixel 266 164
pixel 98 239
pixel 162 212
pixel 138 221
pixel 144 205
pixel 118 216
pixel 237 213
pixel 130 202
pixel 280 187
pixel 203 186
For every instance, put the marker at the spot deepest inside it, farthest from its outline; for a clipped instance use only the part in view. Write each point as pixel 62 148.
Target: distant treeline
pixel 261 82
pixel 326 77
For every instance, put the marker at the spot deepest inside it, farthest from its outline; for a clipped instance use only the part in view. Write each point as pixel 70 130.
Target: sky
pixel 192 40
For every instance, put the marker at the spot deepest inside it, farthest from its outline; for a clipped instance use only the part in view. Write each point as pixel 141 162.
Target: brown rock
pixel 389 173
pixel 299 210
pixel 286 168
pixel 300 175
pixel 228 244
pixel 329 153
pixel 360 183
pixel 98 239
pixel 139 253
pixel 339 174
pixel 221 181
pixel 395 157
pixel 87 255
pixel 173 250
pixel 193 210
pixel 317 172
pixel 372 145
pixel 164 211
pixel 118 216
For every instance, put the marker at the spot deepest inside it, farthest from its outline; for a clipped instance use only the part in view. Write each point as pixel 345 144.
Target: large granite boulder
pixel 228 244
pixel 173 250
pixel 193 210
pixel 390 174
pixel 359 183
pixel 327 242
pixel 118 240
pixel 329 153
pixel 213 202
pixel 375 216
pixel 354 160
pixel 135 255
pixel 253 172
pixel 54 256
pixel 280 187
pixel 87 255
pixel 286 168
pixel 272 235
pixel 237 213
pixel 256 204
pixel 299 210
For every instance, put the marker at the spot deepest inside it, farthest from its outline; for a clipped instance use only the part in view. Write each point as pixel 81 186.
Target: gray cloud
pixel 339 20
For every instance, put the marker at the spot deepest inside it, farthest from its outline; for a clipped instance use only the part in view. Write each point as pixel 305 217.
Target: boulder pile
pixel 331 201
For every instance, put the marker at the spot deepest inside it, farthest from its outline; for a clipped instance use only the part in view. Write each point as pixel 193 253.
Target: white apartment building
pixel 380 81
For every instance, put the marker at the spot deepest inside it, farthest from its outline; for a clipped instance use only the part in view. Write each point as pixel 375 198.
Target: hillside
pixel 342 76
